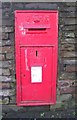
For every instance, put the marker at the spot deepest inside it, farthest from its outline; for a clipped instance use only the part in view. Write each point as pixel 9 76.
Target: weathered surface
pixel 2 57
pixel 4 36
pixel 5 71
pixel 40 113
pixel 6 43
pixel 6 49
pixel 4 85
pixel 7 29
pixel 67 75
pixel 71 54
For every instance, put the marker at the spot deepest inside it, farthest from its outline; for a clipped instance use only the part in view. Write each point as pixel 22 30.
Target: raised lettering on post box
pixel 36 44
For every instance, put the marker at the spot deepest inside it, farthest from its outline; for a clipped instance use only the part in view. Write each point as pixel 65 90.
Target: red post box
pixel 36 43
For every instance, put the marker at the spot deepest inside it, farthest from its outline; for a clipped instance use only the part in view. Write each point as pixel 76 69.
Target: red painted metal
pixel 36 44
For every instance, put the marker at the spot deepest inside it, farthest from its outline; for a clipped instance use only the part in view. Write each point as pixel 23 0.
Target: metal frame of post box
pixel 54 58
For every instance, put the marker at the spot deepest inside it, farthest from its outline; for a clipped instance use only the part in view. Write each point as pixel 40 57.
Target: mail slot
pixel 36 44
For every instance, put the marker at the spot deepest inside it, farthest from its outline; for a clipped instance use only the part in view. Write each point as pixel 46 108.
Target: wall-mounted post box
pixel 36 43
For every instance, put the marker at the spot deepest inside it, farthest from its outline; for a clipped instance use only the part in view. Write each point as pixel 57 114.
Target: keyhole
pixel 36 52
pixel 23 75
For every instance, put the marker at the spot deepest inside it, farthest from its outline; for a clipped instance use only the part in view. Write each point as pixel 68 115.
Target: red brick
pixel 7 43
pixel 68 47
pixel 7 92
pixel 7 29
pixel 5 79
pixel 10 56
pixel 67 76
pixel 6 5
pixel 66 83
pixel 5 100
pixel 4 36
pixel 40 6
pixel 4 85
pixel 70 21
pixel 6 49
pixel 70 34
pixel 71 68
pixel 67 9
pixel 67 90
pixel 13 100
pixel 70 27
pixel 71 4
pixel 7 22
pixel 0 71
pixel 74 83
pixel 2 57
pixel 75 96
pixel 69 62
pixel 5 71
pixel 6 64
pixel 68 40
pixel 72 54
pixel 11 36
pixel 67 14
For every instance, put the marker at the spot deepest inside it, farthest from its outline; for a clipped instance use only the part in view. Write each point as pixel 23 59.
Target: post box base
pixel 34 103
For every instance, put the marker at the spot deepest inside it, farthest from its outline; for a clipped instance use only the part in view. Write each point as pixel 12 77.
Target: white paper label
pixel 36 74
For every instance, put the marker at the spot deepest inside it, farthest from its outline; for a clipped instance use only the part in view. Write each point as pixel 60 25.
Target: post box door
pixel 36 73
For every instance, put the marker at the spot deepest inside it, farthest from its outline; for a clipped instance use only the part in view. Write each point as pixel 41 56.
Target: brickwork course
pixel 67 55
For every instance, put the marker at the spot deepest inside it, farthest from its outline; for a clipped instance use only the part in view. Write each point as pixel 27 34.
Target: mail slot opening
pixel 36 52
pixel 36 29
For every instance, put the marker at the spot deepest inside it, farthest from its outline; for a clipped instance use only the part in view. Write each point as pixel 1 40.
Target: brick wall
pixel 67 58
